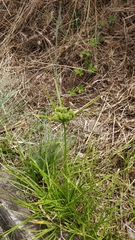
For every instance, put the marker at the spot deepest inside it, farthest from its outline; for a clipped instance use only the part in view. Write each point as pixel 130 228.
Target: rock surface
pixel 11 214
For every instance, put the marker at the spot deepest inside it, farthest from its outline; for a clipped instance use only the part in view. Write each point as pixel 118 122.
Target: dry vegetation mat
pixel 86 49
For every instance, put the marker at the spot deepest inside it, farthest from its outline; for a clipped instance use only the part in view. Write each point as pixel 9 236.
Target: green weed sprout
pixel 111 19
pixel 93 42
pixel 86 57
pixel 74 91
pixel 102 23
pixel 91 68
pixel 79 72
pixel 86 62
pixel 79 89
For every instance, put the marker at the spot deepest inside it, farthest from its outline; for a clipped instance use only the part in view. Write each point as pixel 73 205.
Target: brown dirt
pixel 28 39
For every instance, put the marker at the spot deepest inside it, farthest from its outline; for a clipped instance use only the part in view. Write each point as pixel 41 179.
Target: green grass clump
pixel 62 191
pixel 71 203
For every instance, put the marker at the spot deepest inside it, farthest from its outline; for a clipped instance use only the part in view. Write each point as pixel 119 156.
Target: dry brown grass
pixel 38 36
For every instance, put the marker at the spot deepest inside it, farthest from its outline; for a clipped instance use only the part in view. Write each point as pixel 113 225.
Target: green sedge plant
pixel 62 192
pixel 64 115
pixel 83 215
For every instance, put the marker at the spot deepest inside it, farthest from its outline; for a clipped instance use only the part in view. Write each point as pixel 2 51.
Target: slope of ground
pixel 87 47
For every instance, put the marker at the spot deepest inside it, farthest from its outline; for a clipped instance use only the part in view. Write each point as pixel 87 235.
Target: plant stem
pixel 65 158
pixel 65 151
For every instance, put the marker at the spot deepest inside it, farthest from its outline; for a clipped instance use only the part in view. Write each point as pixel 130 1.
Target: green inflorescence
pixel 63 115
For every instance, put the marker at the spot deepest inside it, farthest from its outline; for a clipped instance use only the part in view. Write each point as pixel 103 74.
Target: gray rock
pixel 11 214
